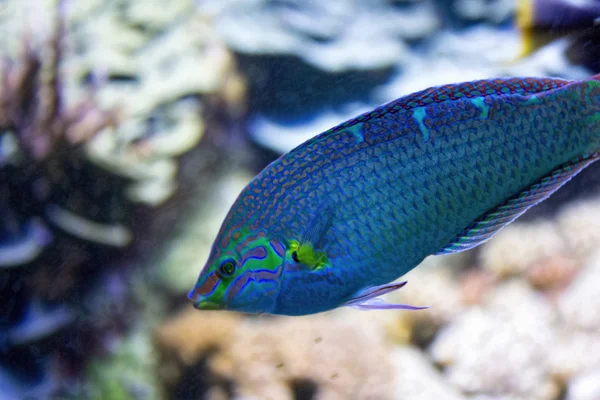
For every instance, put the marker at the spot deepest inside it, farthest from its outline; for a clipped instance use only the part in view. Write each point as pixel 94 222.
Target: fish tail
pixel 542 21
pixel 524 21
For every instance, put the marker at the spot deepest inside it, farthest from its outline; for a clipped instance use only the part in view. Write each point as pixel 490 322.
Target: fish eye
pixel 226 269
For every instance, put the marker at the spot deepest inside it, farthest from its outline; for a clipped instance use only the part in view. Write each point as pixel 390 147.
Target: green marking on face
pixel 242 275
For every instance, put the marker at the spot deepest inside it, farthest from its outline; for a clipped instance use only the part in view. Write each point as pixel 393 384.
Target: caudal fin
pixel 542 21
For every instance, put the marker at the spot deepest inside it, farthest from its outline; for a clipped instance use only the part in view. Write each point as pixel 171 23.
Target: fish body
pixel 333 221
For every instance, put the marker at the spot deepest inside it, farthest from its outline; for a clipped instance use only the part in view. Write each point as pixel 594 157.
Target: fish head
pixel 242 274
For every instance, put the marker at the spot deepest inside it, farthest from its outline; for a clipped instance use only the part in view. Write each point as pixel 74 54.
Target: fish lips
pixel 201 303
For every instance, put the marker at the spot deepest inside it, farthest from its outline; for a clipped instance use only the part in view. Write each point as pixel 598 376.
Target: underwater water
pixel 128 129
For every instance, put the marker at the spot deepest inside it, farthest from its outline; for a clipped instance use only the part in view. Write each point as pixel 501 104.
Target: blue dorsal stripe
pixel 450 92
pixel 457 91
pixel 484 228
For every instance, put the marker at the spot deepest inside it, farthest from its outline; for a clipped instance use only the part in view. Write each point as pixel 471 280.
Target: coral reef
pixel 579 304
pixel 544 241
pixel 48 195
pixel 277 357
pixel 150 70
pixel 127 374
pixel 417 379
pixel 121 149
pixel 316 61
pixel 332 36
pixel 86 145
pixel 291 114
pixel 585 387
pixel 514 325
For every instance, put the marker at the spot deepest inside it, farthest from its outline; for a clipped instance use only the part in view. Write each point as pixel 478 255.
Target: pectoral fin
pixel 305 251
pixel 368 299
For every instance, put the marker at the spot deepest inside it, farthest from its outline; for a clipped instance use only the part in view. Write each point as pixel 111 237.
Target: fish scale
pixel 434 172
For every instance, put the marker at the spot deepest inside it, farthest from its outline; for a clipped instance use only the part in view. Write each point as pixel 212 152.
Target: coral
pixel 553 273
pixel 186 339
pixel 37 323
pixel 165 77
pixel 496 11
pixel 417 379
pixel 282 135
pixel 579 304
pixel 311 64
pixel 514 325
pixel 286 112
pixel 48 196
pixel 126 373
pixel 579 224
pixel 475 283
pixel 333 36
pixel 574 353
pixel 585 387
pixel 430 284
pixel 78 150
pixel 509 254
pixel 340 355
pixel 475 53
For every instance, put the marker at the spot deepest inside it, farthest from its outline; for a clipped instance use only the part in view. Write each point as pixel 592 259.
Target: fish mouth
pixel 208 305
pixel 201 303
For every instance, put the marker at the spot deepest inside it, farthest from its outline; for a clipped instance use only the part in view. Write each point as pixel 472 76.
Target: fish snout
pixel 201 302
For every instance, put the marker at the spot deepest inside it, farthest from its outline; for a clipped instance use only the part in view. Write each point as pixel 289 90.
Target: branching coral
pixel 62 218
pixel 47 184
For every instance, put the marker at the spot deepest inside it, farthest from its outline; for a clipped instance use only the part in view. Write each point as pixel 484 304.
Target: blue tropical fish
pixel 334 221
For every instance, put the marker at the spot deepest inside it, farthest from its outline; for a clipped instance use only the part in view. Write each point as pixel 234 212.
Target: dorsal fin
pixel 457 91
pixel 439 94
pixel 490 223
pixel 484 87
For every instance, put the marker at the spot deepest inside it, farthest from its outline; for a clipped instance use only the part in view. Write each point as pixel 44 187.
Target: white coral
pixel 519 245
pixel 502 348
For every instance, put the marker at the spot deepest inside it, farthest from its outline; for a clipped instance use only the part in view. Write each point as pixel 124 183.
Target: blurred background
pixel 127 129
